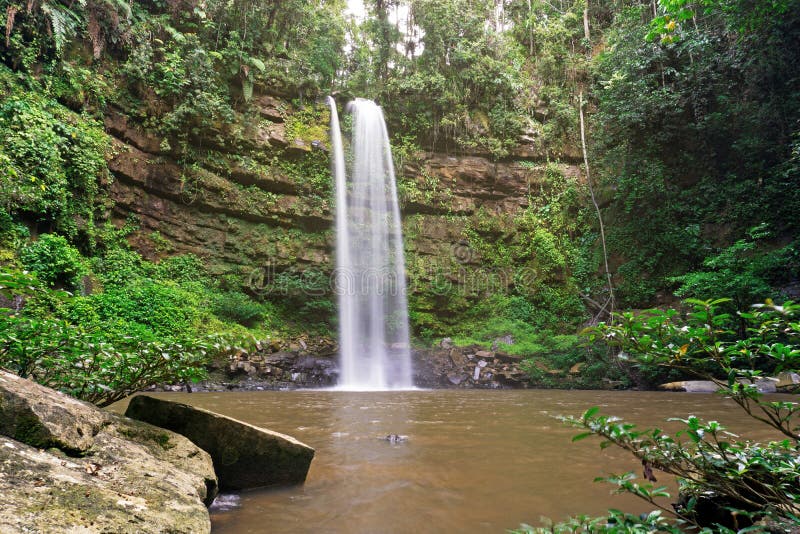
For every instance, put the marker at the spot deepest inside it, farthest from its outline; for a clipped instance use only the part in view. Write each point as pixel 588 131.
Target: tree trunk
pixel 610 302
pixel 586 22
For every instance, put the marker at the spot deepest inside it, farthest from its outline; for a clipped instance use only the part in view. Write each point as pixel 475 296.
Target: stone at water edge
pixel 691 386
pixel 245 456
pixel 101 472
pixel 764 385
pixel 788 381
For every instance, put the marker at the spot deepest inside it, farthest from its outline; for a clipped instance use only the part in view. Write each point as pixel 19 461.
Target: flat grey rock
pixel 245 456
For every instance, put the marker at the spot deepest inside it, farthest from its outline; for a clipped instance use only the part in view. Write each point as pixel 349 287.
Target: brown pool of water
pixel 474 461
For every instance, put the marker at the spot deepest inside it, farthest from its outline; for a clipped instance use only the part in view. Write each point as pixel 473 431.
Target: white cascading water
pixel 373 313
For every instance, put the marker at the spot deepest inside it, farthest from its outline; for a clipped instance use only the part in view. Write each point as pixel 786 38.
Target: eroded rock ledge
pixel 236 205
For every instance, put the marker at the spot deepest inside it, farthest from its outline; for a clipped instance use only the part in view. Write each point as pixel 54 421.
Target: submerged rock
pixel 245 456
pixel 100 472
pixel 225 502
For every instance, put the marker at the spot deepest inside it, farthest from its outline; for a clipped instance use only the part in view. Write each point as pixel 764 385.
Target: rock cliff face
pixel 234 211
pixel 261 197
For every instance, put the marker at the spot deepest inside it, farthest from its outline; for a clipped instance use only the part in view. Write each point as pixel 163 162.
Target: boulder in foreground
pixel 245 456
pixel 67 466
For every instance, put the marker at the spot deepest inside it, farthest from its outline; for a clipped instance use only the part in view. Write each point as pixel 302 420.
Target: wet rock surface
pixel 245 456
pixel 312 363
pixel 67 466
pixel 468 367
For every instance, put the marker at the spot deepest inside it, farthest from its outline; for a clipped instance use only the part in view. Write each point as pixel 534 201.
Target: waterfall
pixel 370 267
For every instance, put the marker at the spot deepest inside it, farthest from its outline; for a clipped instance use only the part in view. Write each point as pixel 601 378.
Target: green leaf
pixel 247 89
pixel 257 63
pixel 591 412
pixel 581 436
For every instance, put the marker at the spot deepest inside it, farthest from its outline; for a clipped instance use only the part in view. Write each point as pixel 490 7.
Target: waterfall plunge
pixel 370 269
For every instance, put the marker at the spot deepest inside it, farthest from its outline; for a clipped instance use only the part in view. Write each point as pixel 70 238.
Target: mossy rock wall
pixel 262 201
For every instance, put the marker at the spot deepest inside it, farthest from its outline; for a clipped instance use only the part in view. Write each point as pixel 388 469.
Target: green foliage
pixel 238 307
pixel 528 340
pixel 467 88
pixel 616 522
pixel 695 136
pixel 183 269
pixel 118 266
pixel 94 366
pixel 164 308
pixel 206 65
pixel 90 360
pixel 55 261
pixel 312 172
pixel 12 233
pixel 179 70
pixel 308 124
pixel 741 16
pixel 307 294
pixel 528 262
pixel 50 163
pixel 740 271
pixel 754 481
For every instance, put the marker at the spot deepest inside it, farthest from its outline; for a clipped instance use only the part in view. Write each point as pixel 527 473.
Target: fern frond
pixel 64 23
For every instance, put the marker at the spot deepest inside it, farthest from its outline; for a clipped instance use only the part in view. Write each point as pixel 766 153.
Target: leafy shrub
pixel 237 307
pixel 740 271
pixel 119 266
pixel 163 307
pixel 183 268
pixel 50 162
pixel 751 481
pixel 306 293
pixel 11 232
pixel 55 261
pixel 34 179
pixel 93 360
pixel 91 366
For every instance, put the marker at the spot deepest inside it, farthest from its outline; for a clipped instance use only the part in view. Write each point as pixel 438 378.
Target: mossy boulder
pixel 245 456
pixel 45 418
pixel 67 466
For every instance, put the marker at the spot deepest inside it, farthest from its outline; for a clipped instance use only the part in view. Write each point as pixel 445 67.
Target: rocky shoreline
pixel 300 365
pixel 68 466
pixel 304 363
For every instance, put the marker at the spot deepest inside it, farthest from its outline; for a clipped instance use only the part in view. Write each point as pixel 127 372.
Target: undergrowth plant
pixel 727 483
pixel 96 358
